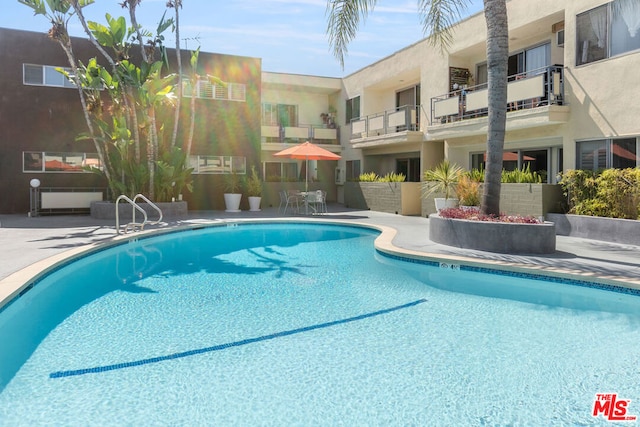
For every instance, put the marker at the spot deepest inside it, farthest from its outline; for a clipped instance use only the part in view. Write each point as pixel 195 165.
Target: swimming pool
pixel 282 324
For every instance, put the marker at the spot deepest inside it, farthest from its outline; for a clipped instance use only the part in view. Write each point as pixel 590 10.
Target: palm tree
pixel 438 17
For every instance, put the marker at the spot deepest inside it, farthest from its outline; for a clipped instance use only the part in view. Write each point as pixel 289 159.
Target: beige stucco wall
pixel 601 96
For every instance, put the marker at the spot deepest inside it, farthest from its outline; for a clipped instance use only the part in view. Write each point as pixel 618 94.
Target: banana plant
pixel 121 101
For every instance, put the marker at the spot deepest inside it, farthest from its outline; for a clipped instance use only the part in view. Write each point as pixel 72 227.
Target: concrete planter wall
pixel 626 231
pixel 392 197
pixel 107 210
pixel 519 199
pixel 500 237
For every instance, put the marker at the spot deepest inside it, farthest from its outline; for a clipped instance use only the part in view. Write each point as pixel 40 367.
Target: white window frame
pixel 220 165
pixel 207 90
pixel 48 82
pixel 88 159
pixel 583 45
pixel 608 146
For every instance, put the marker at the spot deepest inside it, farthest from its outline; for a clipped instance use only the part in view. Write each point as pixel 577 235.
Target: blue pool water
pixel 294 324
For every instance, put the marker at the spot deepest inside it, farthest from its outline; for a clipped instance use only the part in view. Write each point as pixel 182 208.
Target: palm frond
pixel 438 18
pixel 344 20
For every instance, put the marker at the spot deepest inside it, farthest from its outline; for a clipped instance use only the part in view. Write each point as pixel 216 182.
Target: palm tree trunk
pixel 176 120
pixel 495 12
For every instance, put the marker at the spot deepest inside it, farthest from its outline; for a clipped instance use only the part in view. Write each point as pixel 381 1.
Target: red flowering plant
pixel 458 213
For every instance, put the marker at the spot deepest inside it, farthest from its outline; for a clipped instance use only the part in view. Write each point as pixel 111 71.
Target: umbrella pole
pixel 306 176
pixel 306 187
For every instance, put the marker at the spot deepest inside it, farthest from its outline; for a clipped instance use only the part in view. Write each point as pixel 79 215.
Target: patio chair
pixel 287 199
pixel 319 200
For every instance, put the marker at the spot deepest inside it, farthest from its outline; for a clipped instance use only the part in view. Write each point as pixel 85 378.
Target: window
pixel 408 100
pixel 59 162
pixel 607 153
pixel 410 168
pixel 218 164
pixel 353 170
pixel 33 74
pixel 624 153
pixel 279 115
pixel 537 58
pixel 482 75
pixel 281 171
pixel 526 61
pixel 408 97
pixel 560 38
pixel 536 160
pixel 530 60
pixel 207 90
pixel 353 109
pixel 45 75
pixel 607 31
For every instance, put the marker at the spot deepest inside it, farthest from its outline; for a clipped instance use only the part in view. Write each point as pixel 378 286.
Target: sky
pixel 288 35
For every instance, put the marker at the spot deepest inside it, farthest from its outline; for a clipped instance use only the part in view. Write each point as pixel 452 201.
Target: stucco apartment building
pixel 572 96
pixel 41 116
pixel 572 99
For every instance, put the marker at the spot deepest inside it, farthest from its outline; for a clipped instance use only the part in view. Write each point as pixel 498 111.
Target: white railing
pixel 400 119
pixel 133 225
pixel 301 133
pixel 541 87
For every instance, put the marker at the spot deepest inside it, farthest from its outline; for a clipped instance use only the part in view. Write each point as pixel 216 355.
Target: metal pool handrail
pixel 132 225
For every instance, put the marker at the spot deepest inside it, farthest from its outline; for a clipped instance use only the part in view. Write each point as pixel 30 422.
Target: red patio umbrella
pixel 510 156
pixel 307 151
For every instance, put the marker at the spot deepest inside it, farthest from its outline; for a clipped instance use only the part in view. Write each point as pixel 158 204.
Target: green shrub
pixel 611 193
pixel 392 177
pixel 524 175
pixel 368 177
pixel 254 184
pixel 476 175
pixel 442 179
pixel 468 191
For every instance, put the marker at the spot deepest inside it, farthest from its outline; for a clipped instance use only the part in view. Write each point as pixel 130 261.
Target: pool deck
pixel 30 245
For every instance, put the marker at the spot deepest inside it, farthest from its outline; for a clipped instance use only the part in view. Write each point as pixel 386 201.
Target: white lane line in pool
pixel 98 369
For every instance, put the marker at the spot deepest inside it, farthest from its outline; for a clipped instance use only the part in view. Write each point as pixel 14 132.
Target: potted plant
pixel 254 190
pixel 468 192
pixel 443 180
pixel 232 195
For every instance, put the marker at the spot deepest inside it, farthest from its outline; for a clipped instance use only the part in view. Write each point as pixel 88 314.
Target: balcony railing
pixel 400 119
pixel 532 89
pixel 320 134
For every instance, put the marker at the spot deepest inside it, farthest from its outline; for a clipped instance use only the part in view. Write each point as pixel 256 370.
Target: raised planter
pixel 520 199
pixel 392 197
pixel 107 210
pixel 500 237
pixel 616 230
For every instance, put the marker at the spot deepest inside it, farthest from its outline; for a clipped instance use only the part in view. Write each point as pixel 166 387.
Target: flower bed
pixel 475 215
pixel 505 234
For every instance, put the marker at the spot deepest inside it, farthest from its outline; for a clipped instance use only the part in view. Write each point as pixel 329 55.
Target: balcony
pixel 398 125
pixel 318 134
pixel 534 99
